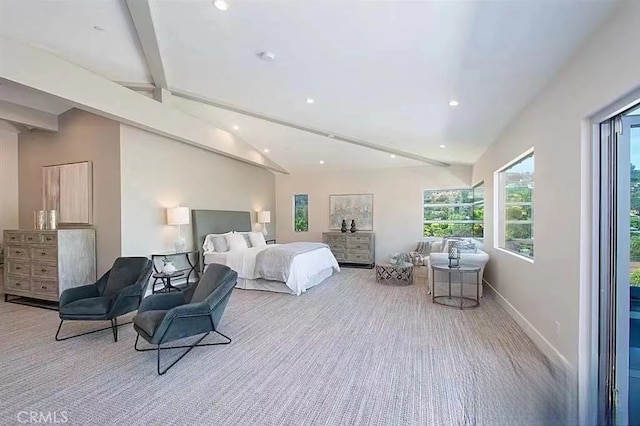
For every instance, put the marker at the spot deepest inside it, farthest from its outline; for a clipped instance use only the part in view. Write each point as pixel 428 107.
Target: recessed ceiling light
pixel 267 56
pixel 221 4
pixel 236 127
pixel 98 28
pixel 265 150
pixel 310 101
pixel 321 161
pixel 443 146
pixel 453 102
pixel 393 156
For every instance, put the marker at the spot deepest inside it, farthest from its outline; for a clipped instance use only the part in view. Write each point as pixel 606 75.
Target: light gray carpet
pixel 348 352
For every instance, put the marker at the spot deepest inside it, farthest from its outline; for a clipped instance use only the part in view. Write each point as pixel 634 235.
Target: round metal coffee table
pixel 395 273
pixel 449 299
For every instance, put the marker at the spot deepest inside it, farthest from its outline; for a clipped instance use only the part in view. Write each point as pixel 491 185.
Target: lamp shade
pixel 264 216
pixel 178 216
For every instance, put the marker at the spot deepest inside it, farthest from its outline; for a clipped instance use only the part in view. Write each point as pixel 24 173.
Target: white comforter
pixel 303 267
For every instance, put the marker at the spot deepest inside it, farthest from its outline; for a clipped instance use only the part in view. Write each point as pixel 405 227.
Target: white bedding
pixel 303 268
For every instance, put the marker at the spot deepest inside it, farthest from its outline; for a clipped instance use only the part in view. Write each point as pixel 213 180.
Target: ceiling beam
pixel 28 117
pixel 33 67
pixel 335 136
pixel 142 16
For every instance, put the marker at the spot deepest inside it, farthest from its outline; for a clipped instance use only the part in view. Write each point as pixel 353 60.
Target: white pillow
pixel 215 243
pixel 257 239
pixel 236 242
pixel 246 237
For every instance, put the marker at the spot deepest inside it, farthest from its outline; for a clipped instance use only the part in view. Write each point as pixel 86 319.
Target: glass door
pixel 618 381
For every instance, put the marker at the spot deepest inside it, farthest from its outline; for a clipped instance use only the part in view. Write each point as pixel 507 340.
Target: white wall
pixel 8 181
pixel 158 172
pixel 546 291
pixel 397 201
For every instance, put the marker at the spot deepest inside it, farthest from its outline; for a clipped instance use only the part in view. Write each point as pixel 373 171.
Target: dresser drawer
pixel 47 254
pixel 358 246
pixel 30 237
pixel 358 257
pixel 44 287
pixel 17 268
pixel 14 282
pixel 335 239
pixel 43 270
pixel 12 237
pixel 49 238
pixel 340 257
pixel 359 239
pixel 17 252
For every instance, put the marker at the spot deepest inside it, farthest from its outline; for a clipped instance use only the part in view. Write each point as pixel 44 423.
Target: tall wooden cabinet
pixel 41 264
pixel 352 248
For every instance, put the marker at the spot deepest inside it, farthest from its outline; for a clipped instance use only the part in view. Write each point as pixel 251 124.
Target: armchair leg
pixel 189 347
pixel 113 327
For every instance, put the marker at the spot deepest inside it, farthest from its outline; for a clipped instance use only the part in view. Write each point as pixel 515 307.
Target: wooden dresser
pixel 41 264
pixel 352 248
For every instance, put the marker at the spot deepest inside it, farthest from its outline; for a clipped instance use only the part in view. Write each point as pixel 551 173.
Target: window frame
pixel 500 207
pixel 473 204
pixel 293 213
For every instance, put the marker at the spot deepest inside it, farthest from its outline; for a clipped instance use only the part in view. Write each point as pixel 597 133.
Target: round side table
pixel 449 299
pixel 166 279
pixel 397 273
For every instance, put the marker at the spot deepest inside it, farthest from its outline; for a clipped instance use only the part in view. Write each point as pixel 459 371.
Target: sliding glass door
pixel 619 270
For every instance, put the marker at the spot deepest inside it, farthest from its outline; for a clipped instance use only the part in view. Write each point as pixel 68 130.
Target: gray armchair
pixel 117 292
pixel 166 317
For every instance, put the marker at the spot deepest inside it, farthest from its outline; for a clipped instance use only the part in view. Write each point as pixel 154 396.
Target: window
pixel 515 206
pixel 301 213
pixel 454 212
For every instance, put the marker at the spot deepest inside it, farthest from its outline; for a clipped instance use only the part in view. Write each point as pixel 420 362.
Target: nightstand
pixel 189 262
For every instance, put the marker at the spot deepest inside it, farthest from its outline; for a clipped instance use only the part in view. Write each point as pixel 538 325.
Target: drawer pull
pixel 43 254
pixel 18 284
pixel 44 287
pixel 29 238
pixel 48 238
pixel 18 252
pixel 18 268
pixel 12 238
pixel 43 270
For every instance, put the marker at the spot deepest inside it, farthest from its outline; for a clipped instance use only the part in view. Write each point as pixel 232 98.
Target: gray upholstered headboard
pixel 205 222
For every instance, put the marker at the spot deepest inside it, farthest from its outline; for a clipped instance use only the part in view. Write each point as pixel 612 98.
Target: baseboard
pixel 538 339
pixel 562 370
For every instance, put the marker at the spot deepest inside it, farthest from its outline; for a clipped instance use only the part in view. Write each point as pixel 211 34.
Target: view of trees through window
pixel 454 212
pixel 516 184
pixel 301 213
pixel 635 205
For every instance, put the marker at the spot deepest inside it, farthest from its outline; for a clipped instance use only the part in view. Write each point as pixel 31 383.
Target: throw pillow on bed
pixel 215 243
pixel 257 239
pixel 236 242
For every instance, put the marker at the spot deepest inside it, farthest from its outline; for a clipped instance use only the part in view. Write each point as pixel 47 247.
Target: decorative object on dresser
pixel 353 226
pixel 343 228
pixel 68 189
pixel 42 264
pixel 264 217
pixel 178 216
pixel 352 249
pixel 354 207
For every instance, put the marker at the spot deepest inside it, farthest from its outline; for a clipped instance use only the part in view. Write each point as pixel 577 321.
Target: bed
pixel 285 268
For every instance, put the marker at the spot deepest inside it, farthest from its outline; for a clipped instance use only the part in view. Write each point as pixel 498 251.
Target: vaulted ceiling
pixel 381 74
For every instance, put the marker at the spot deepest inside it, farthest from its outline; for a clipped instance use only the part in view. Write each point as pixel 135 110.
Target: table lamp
pixel 264 217
pixel 178 216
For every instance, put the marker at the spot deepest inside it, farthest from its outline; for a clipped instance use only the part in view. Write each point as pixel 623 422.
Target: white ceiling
pixel 380 71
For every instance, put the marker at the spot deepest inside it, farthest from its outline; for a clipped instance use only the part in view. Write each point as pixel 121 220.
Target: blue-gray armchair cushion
pixel 162 319
pixel 116 293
